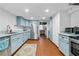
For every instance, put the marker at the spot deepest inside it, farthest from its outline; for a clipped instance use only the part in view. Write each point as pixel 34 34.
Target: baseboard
pixel 53 42
pixel 62 53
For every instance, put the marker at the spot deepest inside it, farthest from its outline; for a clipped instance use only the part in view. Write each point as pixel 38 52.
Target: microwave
pixel 69 30
pixel 74 30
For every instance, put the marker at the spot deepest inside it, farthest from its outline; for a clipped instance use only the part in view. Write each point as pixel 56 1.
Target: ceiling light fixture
pixel 47 10
pixel 43 17
pixel 26 10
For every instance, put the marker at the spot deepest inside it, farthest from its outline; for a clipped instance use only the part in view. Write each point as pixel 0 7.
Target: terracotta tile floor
pixel 45 47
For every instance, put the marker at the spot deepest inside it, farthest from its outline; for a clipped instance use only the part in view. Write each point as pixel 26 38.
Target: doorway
pixel 43 29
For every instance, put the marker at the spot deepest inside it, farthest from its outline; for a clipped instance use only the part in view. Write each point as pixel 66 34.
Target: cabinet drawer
pixel 62 37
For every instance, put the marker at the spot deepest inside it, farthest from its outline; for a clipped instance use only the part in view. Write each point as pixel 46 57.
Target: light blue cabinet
pixel 20 21
pixel 28 35
pixel 64 44
pixel 4 43
pixel 27 22
pixel 23 22
pixel 14 43
pixel 18 39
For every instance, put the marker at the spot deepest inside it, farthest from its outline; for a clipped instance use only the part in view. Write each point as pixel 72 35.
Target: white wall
pixel 65 20
pixel 56 26
pixel 75 19
pixel 60 21
pixel 6 18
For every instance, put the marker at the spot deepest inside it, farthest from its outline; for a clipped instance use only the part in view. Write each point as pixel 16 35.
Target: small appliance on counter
pixel 69 30
pixel 74 30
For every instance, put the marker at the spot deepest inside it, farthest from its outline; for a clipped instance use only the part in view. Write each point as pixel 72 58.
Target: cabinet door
pixel 23 22
pixel 65 48
pixel 64 45
pixel 20 40
pixel 13 45
pixel 25 36
pixel 20 21
pixel 4 43
pixel 60 44
pixel 28 23
pixel 28 35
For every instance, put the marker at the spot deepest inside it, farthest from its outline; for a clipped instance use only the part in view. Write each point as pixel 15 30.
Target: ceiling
pixel 36 10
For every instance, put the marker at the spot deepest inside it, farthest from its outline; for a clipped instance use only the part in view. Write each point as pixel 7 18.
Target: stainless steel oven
pixel 74 47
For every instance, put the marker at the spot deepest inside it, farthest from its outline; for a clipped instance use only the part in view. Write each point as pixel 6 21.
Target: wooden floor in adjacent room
pixel 45 47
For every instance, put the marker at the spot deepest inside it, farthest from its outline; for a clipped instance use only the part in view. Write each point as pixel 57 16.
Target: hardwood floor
pixel 45 47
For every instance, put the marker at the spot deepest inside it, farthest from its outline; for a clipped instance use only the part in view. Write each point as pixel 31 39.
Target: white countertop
pixel 69 34
pixel 4 35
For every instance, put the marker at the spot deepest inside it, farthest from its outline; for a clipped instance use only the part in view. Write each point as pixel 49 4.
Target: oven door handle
pixel 75 41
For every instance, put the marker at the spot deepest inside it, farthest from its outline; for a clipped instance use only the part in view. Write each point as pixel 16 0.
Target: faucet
pixel 9 30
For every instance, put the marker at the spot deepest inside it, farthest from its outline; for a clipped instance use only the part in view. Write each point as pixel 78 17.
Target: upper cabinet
pixel 23 22
pixel 28 22
pixel 20 21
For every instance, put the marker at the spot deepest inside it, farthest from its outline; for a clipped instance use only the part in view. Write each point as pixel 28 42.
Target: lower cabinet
pixel 4 46
pixel 17 40
pixel 14 43
pixel 64 44
pixel 4 43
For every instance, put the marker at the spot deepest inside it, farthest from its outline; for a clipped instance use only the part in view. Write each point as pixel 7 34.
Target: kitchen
pixel 62 27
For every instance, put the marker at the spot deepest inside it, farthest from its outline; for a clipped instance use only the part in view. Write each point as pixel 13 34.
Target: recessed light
pixel 32 17
pixel 43 17
pixel 47 10
pixel 26 10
